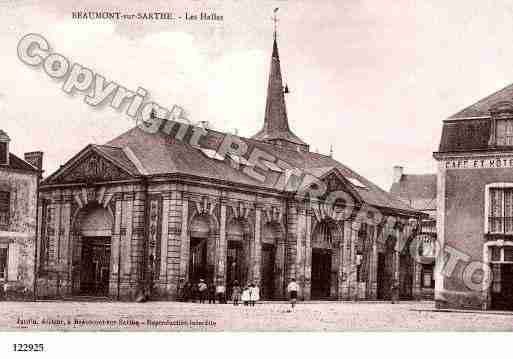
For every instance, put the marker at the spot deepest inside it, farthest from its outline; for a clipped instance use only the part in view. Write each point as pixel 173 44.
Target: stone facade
pixel 18 191
pixel 148 212
pixel 474 188
pixel 152 225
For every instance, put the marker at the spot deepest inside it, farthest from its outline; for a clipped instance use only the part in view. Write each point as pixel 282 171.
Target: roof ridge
pixel 455 115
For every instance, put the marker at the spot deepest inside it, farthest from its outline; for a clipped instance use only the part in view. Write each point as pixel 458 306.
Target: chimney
pixel 398 173
pixel 4 148
pixel 35 159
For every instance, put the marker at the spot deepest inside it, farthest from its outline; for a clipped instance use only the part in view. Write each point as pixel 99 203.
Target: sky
pixel 373 79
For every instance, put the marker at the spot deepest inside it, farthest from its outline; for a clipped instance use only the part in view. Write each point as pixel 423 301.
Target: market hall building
pixel 475 206
pixel 150 208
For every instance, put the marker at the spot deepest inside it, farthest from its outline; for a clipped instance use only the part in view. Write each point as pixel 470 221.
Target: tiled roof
pixel 418 190
pixel 162 154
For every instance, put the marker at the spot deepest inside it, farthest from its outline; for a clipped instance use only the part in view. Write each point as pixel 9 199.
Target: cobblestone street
pixel 263 317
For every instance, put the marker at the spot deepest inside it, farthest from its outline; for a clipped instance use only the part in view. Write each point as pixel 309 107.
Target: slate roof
pixel 465 135
pixel 418 190
pixel 483 106
pixel 162 154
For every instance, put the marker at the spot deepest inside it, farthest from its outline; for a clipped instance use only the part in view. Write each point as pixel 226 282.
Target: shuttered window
pixel 5 205
pixel 500 216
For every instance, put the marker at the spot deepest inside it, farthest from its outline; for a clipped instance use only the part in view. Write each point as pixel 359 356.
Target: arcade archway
pixel 202 248
pixel 92 251
pixel 325 259
pixel 238 254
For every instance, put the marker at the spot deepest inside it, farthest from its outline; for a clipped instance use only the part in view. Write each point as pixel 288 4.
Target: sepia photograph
pixel 243 166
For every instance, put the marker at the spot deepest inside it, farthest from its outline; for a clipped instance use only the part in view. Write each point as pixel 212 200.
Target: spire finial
pixel 331 150
pixel 275 20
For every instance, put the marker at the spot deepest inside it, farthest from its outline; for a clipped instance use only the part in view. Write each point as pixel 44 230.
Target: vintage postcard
pixel 237 165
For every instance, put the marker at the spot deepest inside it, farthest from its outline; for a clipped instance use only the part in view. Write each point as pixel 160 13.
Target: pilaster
pixel 257 247
pixel 221 248
pixel 184 240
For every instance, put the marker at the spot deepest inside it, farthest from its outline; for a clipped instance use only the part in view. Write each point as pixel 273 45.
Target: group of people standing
pixel 202 292
pixel 248 295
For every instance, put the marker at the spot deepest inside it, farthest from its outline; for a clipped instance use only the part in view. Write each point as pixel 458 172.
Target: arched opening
pixel 93 251
pixel 238 253
pixel 323 277
pixel 202 249
pixel 271 235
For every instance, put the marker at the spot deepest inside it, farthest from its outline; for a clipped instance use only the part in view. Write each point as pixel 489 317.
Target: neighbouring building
pixel 419 192
pixel 475 205
pixel 18 198
pixel 151 210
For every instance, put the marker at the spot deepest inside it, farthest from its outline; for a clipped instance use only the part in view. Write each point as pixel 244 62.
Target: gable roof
pixel 115 156
pixel 17 164
pixel 482 107
pixel 163 154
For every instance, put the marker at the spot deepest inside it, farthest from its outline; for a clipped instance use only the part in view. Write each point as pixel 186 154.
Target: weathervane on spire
pixel 275 20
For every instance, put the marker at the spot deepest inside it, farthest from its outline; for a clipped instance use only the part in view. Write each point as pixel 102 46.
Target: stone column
pixel 174 230
pixel 352 279
pixel 184 240
pixel 347 264
pixel 56 269
pixel 257 248
pixel 342 285
pixel 300 244
pixel 222 247
pixel 65 246
pixel 164 241
pixel 115 251
pixel 307 292
pixel 372 285
pixel 132 225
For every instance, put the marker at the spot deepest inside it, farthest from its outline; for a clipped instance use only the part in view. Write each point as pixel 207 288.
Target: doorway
pixel 321 273
pixel 95 266
pixel 235 263
pixel 502 288
pixel 198 260
pixel 268 259
pixel 381 277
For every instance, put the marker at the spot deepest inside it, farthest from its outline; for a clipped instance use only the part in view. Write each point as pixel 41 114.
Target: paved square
pixel 164 316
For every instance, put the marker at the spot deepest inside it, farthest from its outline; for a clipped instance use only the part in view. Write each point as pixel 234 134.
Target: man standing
pixel 202 291
pixel 292 289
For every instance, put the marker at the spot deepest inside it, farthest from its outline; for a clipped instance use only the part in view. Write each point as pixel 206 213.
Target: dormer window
pixel 501 129
pixel 504 132
pixel 3 153
pixel 4 148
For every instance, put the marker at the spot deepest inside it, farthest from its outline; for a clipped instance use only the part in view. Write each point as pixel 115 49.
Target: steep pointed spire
pixel 276 125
